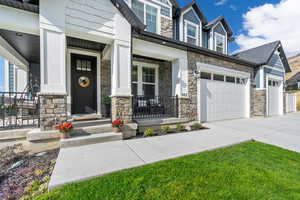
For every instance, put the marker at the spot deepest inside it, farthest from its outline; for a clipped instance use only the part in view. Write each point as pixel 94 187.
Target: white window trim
pixel 181 26
pixel 224 40
pixel 186 22
pixel 158 20
pixel 140 82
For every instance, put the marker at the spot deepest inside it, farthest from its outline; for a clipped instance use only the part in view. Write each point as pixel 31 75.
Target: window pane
pixel 138 9
pixel 205 75
pixel 148 90
pixel 191 30
pixel 134 89
pixel 78 65
pixel 270 83
pixel 220 43
pixel 148 75
pixel 238 80
pixel 220 49
pixel 151 18
pixel 218 77
pixel 83 65
pixel 230 79
pixel 134 74
pixel 88 66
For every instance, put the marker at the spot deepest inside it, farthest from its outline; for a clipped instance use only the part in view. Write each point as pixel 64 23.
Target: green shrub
pixel 197 126
pixel 180 127
pixel 166 129
pixel 149 132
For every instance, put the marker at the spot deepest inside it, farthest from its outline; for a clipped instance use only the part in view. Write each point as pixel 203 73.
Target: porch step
pixel 86 123
pixel 91 139
pixel 156 124
pixel 85 117
pixel 87 130
pixel 16 134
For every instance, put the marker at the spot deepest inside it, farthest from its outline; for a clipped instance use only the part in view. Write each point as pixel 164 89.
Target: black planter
pixel 108 110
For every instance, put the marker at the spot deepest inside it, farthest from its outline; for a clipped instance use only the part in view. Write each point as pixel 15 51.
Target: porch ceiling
pixel 25 44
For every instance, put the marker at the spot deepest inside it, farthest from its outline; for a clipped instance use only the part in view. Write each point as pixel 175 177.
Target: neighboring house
pixel 269 77
pixel 293 78
pixel 152 57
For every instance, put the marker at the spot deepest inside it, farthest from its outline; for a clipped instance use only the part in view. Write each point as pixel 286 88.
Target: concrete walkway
pixel 79 163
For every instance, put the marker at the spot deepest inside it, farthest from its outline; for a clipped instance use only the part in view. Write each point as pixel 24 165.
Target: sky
pixel 256 22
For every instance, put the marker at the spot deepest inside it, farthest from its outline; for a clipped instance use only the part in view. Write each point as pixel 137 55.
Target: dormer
pixel 218 34
pixel 189 24
pixel 155 14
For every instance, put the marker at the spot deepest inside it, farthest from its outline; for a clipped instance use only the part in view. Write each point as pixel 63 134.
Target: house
pixel 154 59
pixel 293 78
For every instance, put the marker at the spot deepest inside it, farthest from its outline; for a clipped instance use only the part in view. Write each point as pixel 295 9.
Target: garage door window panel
pixel 205 75
pixel 218 77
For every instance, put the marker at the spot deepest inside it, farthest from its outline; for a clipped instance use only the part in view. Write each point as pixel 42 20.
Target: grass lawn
pixel 247 171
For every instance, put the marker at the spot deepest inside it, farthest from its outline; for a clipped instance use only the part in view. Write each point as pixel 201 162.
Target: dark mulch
pixel 30 176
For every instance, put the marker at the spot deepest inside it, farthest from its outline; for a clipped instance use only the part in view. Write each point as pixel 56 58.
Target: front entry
pixel 83 84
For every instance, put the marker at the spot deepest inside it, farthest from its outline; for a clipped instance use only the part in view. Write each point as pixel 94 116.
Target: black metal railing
pixel 19 110
pixel 150 107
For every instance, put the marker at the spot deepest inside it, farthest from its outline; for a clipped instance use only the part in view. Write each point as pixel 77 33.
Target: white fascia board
pixel 18 20
pixel 9 53
pixel 221 70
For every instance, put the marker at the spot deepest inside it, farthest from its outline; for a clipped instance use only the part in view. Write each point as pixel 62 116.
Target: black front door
pixel 83 84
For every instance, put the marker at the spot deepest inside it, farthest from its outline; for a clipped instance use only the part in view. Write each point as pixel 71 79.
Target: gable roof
pixel 197 9
pixel 294 79
pixel 224 22
pixel 129 15
pixel 261 55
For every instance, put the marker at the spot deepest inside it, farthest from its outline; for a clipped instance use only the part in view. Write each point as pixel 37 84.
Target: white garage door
pixel 223 97
pixel 273 97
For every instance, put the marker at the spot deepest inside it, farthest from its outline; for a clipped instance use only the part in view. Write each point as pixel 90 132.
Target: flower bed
pixel 23 176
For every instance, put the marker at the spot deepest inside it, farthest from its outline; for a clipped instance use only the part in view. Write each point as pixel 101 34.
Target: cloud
pixel 271 22
pixel 233 7
pixel 220 2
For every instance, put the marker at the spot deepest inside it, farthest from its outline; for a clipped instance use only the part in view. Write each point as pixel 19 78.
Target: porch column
pixel 53 78
pixel 180 87
pixel 121 81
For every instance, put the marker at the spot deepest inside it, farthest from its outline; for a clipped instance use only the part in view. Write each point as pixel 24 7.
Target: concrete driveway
pixel 79 163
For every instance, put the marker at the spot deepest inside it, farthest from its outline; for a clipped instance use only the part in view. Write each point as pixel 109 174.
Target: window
pixel 147 14
pixel 230 79
pixel 83 65
pixel 218 77
pixel 205 75
pixel 219 43
pixel 191 33
pixel 144 79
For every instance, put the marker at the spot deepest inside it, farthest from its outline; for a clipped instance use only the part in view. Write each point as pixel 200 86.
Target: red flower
pixel 117 124
pixel 65 127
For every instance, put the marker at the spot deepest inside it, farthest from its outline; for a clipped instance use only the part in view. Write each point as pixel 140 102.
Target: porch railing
pixel 19 110
pixel 151 107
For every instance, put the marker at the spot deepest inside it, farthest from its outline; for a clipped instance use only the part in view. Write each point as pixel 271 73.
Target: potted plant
pixel 117 125
pixel 107 102
pixel 65 129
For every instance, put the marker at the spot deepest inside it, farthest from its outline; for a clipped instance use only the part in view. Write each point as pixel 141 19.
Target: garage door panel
pixel 221 100
pixel 273 99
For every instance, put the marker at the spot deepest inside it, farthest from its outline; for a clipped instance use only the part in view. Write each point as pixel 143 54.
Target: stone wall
pixel 193 59
pixel 164 75
pixel 258 103
pixel 184 108
pixel 122 108
pixel 166 27
pixel 53 110
pixel 105 83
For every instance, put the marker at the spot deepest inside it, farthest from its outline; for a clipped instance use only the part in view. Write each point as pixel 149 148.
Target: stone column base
pixel 121 108
pixel 53 110
pixel 185 110
pixel 259 102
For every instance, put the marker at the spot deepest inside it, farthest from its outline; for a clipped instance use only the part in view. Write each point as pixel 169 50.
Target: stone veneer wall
pixel 258 105
pixel 184 108
pixel 193 58
pixel 166 27
pixel 53 110
pixel 164 75
pixel 122 108
pixel 105 82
